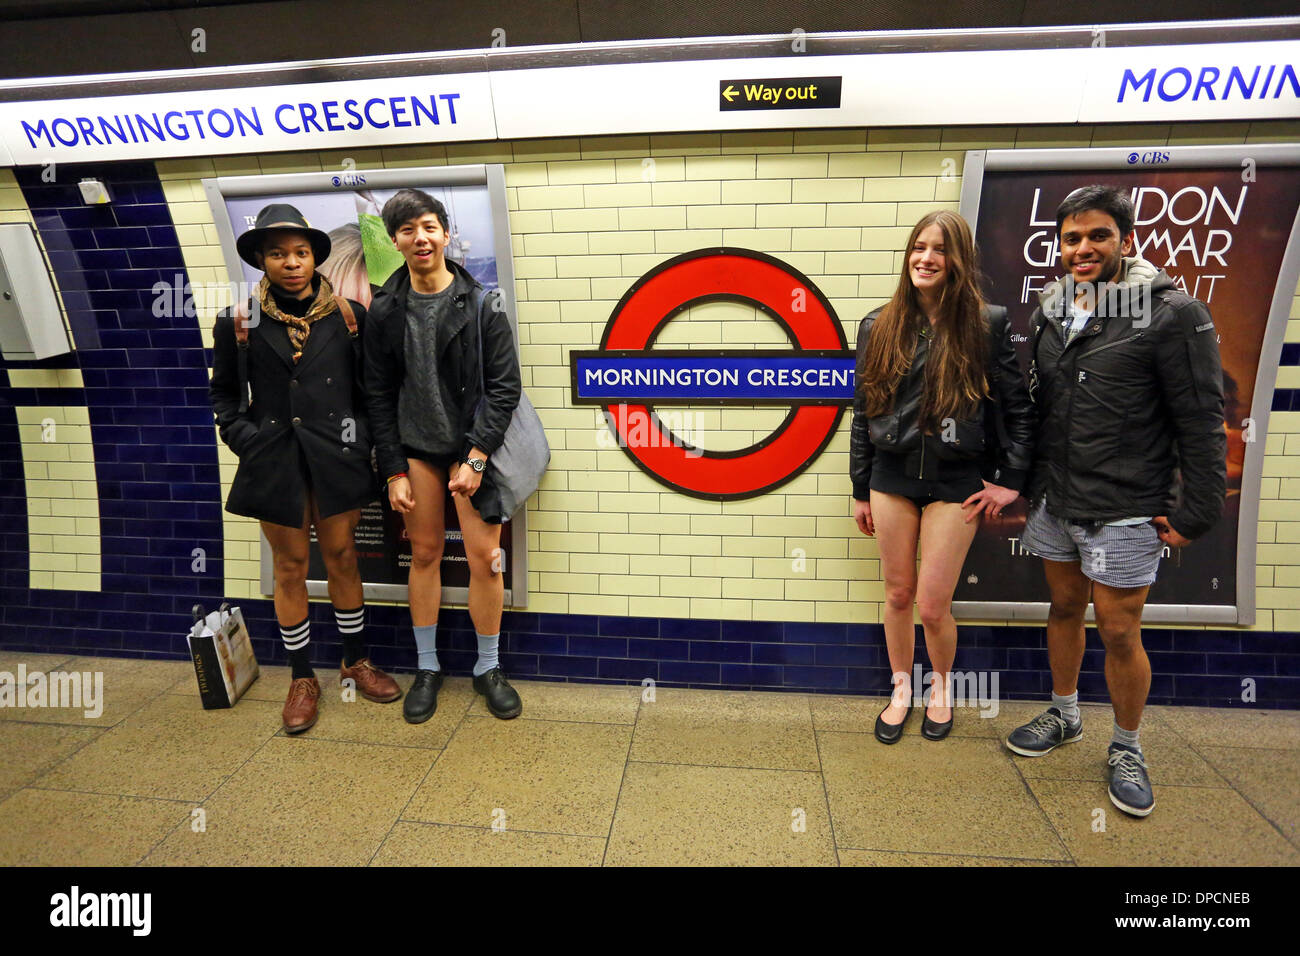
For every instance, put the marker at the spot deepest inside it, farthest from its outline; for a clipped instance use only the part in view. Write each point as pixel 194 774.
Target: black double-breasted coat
pixel 313 411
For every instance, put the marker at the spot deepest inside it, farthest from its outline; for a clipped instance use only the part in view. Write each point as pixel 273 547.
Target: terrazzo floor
pixel 593 775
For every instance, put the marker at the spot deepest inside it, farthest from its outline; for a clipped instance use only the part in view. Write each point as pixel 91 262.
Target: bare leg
pixel 1128 670
pixel 945 539
pixel 289 553
pixel 1070 590
pixel 425 526
pixel 338 550
pixel 898 524
pixel 486 564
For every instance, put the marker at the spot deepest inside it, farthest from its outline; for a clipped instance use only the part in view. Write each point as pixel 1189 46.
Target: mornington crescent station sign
pixel 628 376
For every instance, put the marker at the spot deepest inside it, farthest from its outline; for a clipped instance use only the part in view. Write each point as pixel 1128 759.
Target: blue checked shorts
pixel 1119 556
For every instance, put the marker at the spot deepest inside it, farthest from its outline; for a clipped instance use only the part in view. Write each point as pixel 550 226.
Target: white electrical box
pixel 31 325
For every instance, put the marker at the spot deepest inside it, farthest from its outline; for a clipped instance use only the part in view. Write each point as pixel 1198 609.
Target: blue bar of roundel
pixel 631 379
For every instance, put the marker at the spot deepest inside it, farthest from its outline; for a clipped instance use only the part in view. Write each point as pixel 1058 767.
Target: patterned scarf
pixel 299 328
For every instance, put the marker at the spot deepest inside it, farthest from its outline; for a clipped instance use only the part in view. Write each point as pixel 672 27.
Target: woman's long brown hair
pixel 955 379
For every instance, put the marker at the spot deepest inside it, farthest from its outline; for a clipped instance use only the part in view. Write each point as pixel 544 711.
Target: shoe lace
pixel 1127 765
pixel 1046 723
pixel 300 688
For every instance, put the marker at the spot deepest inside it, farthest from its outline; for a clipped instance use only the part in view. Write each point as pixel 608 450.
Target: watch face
pixel 478 464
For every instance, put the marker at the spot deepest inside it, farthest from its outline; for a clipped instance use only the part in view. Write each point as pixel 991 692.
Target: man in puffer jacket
pixel 1126 376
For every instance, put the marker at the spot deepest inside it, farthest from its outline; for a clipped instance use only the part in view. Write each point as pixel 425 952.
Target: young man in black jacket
pixel 435 428
pixel 1128 383
pixel 302 442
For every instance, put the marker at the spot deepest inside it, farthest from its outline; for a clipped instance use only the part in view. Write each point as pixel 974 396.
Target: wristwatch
pixel 478 464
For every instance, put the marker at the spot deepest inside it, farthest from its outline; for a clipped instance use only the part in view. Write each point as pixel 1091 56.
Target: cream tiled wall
pixel 588 217
pixel 62 494
pixel 58 462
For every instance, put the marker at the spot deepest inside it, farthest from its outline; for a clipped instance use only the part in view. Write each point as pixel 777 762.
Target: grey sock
pixel 487 653
pixel 426 644
pixel 1068 706
pixel 1129 738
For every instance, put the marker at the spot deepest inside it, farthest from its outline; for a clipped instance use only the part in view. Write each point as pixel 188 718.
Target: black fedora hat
pixel 280 216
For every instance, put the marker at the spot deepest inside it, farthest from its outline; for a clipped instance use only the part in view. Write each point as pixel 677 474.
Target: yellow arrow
pixel 730 93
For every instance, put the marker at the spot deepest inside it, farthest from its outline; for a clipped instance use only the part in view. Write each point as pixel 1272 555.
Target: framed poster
pixel 1223 222
pixel 346 204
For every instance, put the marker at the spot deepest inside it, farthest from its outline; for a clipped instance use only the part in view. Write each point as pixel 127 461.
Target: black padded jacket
pixel 1126 402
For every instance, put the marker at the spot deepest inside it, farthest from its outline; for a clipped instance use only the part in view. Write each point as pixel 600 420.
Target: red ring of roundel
pixel 717 273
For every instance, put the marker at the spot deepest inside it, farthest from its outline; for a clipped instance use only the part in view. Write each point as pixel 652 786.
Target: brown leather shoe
pixel 372 683
pixel 300 709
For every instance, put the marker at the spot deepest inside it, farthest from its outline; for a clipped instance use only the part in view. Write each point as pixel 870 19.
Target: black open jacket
pixel 317 405
pixel 997 441
pixel 458 370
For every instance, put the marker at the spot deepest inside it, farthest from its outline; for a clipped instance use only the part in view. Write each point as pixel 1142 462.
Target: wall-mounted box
pixel 31 325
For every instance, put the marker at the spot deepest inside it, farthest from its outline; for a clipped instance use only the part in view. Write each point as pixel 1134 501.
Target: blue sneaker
pixel 1130 787
pixel 1044 734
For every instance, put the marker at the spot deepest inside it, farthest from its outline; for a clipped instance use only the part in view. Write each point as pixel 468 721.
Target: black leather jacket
pixel 458 371
pixel 1124 403
pixel 997 442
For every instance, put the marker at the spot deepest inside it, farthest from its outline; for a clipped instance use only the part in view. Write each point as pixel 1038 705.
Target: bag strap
pixel 478 298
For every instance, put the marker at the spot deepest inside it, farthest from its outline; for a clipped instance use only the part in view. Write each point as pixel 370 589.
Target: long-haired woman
pixel 942 431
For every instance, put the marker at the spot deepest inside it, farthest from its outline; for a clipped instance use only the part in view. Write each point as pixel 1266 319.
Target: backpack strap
pixel 349 316
pixel 240 315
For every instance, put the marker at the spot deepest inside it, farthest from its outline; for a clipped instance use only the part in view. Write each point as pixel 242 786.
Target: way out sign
pixel 782 93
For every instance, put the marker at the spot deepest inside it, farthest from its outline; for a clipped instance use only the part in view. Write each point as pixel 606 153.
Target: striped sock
pixel 296 641
pixel 350 624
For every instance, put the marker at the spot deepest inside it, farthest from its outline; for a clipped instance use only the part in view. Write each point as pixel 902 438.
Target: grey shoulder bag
pixel 518 465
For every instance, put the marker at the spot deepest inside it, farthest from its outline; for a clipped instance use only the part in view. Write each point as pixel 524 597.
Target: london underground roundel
pixel 628 376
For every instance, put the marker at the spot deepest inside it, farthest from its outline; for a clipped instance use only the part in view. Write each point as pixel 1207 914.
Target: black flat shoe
pixel 422 699
pixel 891 733
pixel 502 699
pixel 931 730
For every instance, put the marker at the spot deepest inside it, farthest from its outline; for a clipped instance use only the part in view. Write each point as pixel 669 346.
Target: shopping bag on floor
pixel 223 656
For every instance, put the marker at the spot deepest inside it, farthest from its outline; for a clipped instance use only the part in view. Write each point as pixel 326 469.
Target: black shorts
pixel 438 461
pixel 486 501
pixel 922 492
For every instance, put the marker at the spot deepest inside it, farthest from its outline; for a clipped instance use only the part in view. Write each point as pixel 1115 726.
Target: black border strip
pixel 388 66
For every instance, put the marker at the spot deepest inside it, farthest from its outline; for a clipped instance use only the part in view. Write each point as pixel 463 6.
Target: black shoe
pixel 501 697
pixel 933 730
pixel 891 733
pixel 422 699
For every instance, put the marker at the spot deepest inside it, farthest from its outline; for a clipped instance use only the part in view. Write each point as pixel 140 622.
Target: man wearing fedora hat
pixel 303 440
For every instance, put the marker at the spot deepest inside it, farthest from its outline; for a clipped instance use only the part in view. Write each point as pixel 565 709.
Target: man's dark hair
pixel 408 204
pixel 1108 199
